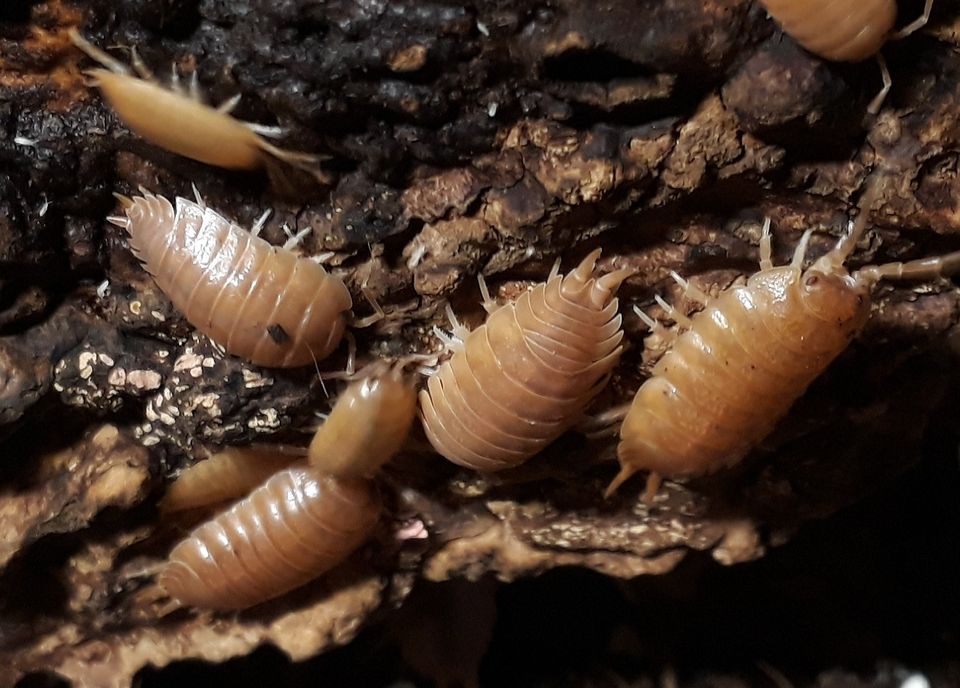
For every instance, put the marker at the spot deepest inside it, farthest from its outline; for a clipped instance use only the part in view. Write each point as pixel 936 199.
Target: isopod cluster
pixel 508 388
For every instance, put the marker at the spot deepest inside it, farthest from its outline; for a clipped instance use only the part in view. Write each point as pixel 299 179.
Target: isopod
pixel 524 377
pixel 259 302
pixel 845 30
pixel 304 519
pixel 749 354
pixel 229 474
pixel 180 122
pixel 297 525
pixel 369 422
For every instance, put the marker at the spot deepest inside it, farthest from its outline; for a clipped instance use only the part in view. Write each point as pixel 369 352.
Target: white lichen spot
pixel 136 307
pixel 252 379
pixel 24 141
pixel 265 419
pixel 103 289
pixel 150 440
pixel 208 362
pixel 167 419
pixel 117 377
pixel 57 386
pixel 483 28
pixel 144 379
pixel 187 361
pixel 492 109
pixel 106 360
pixel 158 315
pixel 162 354
pixel 196 372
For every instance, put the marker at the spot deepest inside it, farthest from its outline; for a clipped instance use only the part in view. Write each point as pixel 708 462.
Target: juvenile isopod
pixel 229 474
pixel 180 122
pixel 749 354
pixel 845 30
pixel 369 422
pixel 304 519
pixel 524 377
pixel 262 303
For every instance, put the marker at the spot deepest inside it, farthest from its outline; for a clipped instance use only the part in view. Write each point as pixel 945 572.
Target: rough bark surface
pixel 485 139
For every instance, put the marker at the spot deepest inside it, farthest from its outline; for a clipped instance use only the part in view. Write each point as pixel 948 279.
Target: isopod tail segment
pixel 830 306
pixel 179 121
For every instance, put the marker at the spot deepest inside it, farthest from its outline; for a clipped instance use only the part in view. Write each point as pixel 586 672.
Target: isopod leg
pixel 680 318
pixel 915 25
pixel 227 106
pixel 489 303
pixel 691 292
pixel 626 472
pixel 654 480
pixel 766 250
pixel 875 104
pixel 606 424
pixel 801 250
pixel 369 320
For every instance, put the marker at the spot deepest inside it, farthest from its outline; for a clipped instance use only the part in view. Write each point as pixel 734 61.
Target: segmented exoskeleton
pixel 304 519
pixel 845 30
pixel 260 302
pixel 523 378
pixel 746 357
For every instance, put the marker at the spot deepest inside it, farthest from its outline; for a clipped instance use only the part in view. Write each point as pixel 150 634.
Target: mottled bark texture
pixel 491 138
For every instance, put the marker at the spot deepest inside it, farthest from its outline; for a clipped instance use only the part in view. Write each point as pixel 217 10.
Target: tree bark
pixel 492 139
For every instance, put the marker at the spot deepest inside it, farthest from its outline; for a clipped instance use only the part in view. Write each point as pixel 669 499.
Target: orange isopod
pixel 303 520
pixel 523 378
pixel 229 474
pixel 260 302
pixel 180 122
pixel 750 353
pixel 369 422
pixel 845 30
pixel 287 532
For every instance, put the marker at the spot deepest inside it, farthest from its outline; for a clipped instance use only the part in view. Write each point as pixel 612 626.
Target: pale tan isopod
pixel 288 531
pixel 369 422
pixel 845 30
pixel 748 355
pixel 180 122
pixel 305 519
pixel 262 303
pixel 523 378
pixel 227 475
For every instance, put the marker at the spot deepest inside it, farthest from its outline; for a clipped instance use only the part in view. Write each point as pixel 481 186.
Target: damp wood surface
pixel 459 140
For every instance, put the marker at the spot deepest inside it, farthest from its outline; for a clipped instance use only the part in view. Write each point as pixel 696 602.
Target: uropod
pixel 305 519
pixel 260 302
pixel 524 377
pixel 845 30
pixel 181 122
pixel 749 354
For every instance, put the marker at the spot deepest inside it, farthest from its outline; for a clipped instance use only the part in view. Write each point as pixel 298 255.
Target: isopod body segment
pixel 262 303
pixel 297 525
pixel 748 355
pixel 524 377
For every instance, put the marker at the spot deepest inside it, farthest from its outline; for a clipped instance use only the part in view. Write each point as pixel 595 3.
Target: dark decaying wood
pixel 461 139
